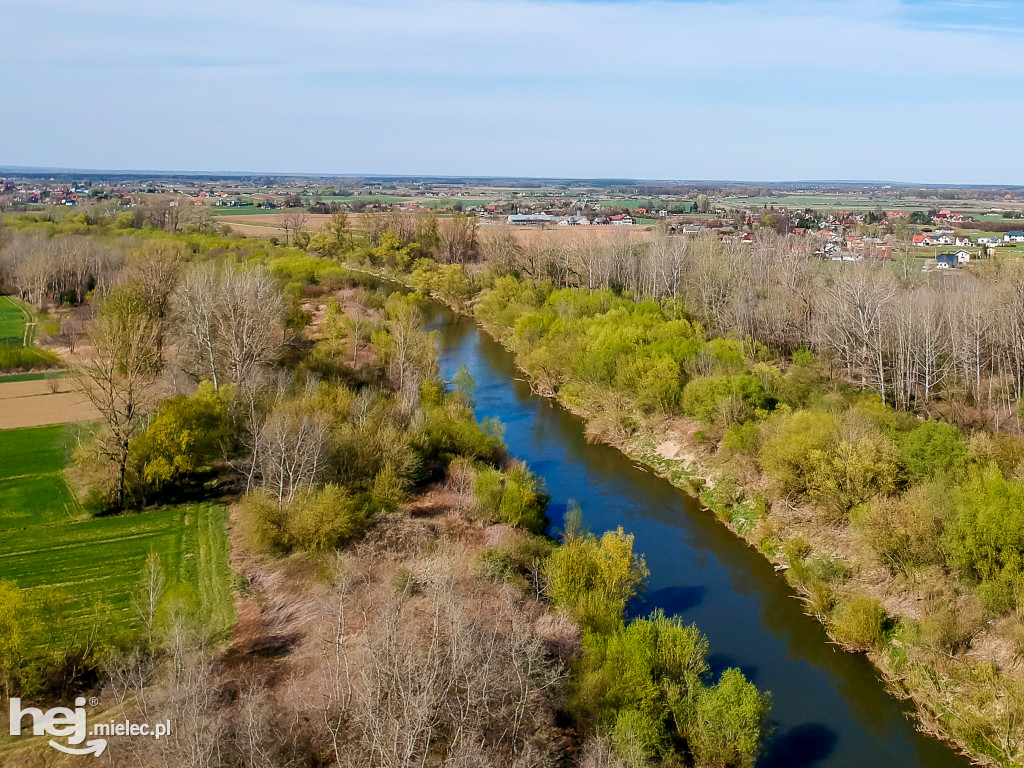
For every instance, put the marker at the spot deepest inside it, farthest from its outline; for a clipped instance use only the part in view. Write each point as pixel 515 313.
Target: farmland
pixel 12 322
pixel 83 567
pixel 36 399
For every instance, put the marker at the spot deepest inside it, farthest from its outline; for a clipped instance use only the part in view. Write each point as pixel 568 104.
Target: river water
pixel 829 707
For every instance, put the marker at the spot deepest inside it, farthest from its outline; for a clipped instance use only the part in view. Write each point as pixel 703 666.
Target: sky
pixel 753 90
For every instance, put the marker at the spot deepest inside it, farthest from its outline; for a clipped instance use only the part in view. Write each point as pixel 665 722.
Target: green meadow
pixel 85 567
pixel 12 322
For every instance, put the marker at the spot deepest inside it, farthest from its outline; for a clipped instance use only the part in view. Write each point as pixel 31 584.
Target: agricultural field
pixel 12 322
pixel 85 569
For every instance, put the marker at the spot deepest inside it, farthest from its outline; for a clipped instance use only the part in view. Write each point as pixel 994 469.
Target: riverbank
pixel 787 536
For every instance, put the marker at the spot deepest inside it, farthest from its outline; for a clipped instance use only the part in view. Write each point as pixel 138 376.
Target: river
pixel 830 709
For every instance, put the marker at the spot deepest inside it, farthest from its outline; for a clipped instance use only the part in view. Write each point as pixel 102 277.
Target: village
pixel 839 224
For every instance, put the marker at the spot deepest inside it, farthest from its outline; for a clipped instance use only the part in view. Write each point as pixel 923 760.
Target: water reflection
pixel 829 708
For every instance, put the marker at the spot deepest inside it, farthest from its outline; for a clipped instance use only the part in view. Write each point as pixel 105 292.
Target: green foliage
pixel 595 578
pixel 861 621
pixel 29 358
pixel 933 448
pixel 852 472
pixel 17 626
pixel 708 398
pixel 786 455
pixel 644 684
pixel 12 322
pixel 184 436
pixel 315 522
pixel 724 724
pixel 514 496
pixel 742 438
pixel 985 537
pixel 296 266
pixel 449 430
pixel 903 531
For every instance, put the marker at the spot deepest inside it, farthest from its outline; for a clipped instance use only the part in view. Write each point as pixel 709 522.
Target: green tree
pixel 725 724
pixel 185 435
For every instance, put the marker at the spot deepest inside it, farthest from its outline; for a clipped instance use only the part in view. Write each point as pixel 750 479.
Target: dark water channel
pixel 829 707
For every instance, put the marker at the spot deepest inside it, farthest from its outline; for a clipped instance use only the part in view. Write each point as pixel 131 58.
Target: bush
pixel 595 578
pixel 703 397
pixel 636 737
pixel 861 622
pixel 786 455
pixel 725 724
pixel 905 532
pixel 932 448
pixel 24 359
pixel 986 536
pixel 316 522
pixel 515 496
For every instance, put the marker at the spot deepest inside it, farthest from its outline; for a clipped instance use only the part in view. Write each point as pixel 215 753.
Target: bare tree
pixel 117 377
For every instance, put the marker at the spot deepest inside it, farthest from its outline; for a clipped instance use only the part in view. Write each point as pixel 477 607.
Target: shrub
pixel 986 535
pixel 24 359
pixel 786 455
pixel 703 397
pixel 860 621
pixel 316 522
pixel 933 447
pixel 905 532
pixel 724 724
pixel 636 737
pixel 595 578
pixel 515 496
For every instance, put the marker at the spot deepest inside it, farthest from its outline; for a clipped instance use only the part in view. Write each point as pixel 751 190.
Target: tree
pixel 228 323
pixel 117 377
pixel 149 592
pixel 185 434
pixel 293 222
pixel 725 724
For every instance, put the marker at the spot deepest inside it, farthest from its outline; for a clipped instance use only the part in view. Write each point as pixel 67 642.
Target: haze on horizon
pixel 909 91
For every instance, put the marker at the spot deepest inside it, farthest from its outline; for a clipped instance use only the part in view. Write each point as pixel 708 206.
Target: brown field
pixel 35 404
pixel 269 224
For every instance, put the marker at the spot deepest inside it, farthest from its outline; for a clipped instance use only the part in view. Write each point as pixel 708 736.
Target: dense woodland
pixel 401 604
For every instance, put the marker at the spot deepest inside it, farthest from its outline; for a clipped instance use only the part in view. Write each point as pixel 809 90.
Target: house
pixel 962 240
pixel 621 219
pixel 946 261
pixel 962 256
pixel 1014 236
pixel 692 229
pixel 990 241
pixel 921 240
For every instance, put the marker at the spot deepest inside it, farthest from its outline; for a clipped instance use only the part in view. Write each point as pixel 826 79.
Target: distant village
pixel 948 239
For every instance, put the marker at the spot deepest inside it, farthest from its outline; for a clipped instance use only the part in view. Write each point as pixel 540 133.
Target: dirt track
pixel 35 404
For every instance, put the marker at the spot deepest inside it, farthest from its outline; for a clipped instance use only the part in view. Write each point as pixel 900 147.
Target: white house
pixel 962 256
pixel 1015 236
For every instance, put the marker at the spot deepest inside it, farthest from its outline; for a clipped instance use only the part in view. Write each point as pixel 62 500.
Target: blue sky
pixel 902 90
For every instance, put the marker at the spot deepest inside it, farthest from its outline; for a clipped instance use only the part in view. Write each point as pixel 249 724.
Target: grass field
pixel 49 544
pixel 12 322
